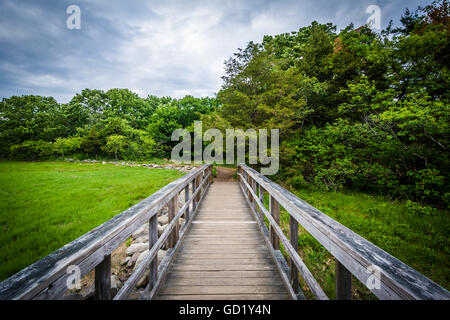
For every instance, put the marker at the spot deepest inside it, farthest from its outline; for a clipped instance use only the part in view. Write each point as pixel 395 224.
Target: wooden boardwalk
pixel 223 249
pixel 224 255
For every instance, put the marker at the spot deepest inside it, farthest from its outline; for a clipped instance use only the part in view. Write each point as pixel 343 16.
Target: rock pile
pixel 181 168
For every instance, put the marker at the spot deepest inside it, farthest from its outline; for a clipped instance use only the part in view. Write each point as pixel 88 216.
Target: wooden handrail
pixel 354 255
pixel 47 278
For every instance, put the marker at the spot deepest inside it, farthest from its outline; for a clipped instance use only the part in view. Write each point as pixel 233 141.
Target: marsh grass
pixel 422 241
pixel 45 205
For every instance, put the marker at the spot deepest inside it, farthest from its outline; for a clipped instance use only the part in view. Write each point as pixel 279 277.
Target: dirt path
pixel 225 174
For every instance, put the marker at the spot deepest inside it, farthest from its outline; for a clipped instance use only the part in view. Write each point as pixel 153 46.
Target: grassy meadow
pixel 45 205
pixel 418 239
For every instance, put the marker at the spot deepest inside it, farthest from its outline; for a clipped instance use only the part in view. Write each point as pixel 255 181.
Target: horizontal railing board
pixel 309 278
pixel 169 258
pixel 46 278
pixel 398 280
pixel 129 285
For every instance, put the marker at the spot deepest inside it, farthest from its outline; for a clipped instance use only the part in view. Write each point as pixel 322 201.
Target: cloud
pixel 165 48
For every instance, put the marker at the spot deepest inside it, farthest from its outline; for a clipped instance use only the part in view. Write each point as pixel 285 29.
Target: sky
pixel 163 48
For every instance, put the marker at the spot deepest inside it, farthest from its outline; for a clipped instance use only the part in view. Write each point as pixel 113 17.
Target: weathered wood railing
pixel 48 277
pixel 386 276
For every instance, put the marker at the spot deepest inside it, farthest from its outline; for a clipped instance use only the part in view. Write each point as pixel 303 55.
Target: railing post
pixel 173 206
pixel 254 190
pixel 249 195
pixel 103 279
pixel 261 199
pixel 275 213
pixel 197 184
pixel 343 282
pixel 186 199
pixel 194 187
pixel 293 229
pixel 152 239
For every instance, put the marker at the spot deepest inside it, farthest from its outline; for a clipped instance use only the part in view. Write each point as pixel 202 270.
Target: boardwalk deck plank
pixel 224 255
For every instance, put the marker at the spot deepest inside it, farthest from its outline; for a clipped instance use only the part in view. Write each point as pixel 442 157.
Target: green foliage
pixel 65 145
pixel 32 150
pixel 115 144
pixel 355 109
pixel 81 127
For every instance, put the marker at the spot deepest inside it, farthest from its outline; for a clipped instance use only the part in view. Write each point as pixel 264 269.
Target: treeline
pixel 115 123
pixel 355 108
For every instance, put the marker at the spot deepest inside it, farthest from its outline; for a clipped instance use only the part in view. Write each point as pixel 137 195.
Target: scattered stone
pixel 144 280
pixel 161 229
pixel 163 220
pixel 125 261
pixel 136 247
pixel 164 211
pixel 142 231
pixel 142 283
pixel 88 292
pixel 116 284
pixel 135 295
pixel 142 239
pixel 133 259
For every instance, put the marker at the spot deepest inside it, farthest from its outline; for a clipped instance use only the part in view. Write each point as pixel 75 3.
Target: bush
pixel 32 150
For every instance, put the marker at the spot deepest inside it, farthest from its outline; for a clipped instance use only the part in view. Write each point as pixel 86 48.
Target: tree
pixel 29 118
pixel 64 145
pixel 115 144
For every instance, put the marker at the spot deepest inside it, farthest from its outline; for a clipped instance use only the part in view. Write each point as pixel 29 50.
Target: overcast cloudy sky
pixel 165 48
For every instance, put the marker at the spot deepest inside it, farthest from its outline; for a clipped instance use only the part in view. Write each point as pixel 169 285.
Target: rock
pixel 161 229
pixel 141 258
pixel 163 220
pixel 135 295
pixel 133 259
pixel 164 211
pixel 136 247
pixel 116 284
pixel 143 255
pixel 125 261
pixel 144 280
pixel 142 231
pixel 161 255
pixel 142 283
pixel 142 239
pixel 88 292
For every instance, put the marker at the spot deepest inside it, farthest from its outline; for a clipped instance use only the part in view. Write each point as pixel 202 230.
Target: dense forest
pixel 356 109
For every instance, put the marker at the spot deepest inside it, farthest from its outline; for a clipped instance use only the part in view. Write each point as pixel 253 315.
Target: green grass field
pixel 420 240
pixel 45 205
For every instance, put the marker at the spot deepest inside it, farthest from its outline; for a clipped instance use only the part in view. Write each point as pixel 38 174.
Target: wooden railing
pixel 48 277
pixel 384 275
